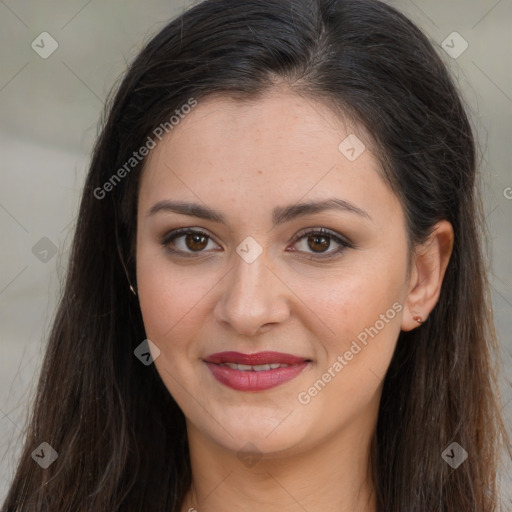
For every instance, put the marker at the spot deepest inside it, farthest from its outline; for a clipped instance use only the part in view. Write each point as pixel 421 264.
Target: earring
pixel 133 291
pixel 418 319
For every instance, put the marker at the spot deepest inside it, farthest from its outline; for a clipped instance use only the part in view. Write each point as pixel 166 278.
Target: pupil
pixel 194 239
pixel 325 243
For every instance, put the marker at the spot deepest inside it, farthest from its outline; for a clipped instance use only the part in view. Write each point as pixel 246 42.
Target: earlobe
pixel 429 266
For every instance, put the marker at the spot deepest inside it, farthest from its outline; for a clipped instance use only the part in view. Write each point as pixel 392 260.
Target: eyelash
pixel 173 235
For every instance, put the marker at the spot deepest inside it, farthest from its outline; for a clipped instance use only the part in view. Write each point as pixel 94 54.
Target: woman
pixel 276 297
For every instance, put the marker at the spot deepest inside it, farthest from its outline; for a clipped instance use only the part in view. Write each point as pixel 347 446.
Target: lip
pixel 255 359
pixel 255 380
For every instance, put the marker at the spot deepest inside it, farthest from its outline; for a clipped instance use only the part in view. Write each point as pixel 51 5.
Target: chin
pixel 247 437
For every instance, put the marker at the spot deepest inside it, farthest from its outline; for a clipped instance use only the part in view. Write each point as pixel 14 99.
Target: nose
pixel 253 297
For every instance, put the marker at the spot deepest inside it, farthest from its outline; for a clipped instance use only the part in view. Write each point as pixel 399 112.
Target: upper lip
pixel 254 359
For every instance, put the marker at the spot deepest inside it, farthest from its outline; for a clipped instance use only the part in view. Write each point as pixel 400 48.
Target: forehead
pixel 279 120
pixel 279 148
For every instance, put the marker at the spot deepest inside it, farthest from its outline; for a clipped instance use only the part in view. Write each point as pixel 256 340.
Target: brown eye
pixel 196 242
pixel 186 241
pixel 318 243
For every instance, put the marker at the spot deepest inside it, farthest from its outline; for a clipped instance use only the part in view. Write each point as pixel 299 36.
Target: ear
pixel 428 267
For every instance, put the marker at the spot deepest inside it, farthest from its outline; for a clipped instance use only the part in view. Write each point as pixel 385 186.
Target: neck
pixel 333 476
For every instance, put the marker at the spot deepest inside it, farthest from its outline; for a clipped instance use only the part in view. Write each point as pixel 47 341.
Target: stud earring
pixel 418 319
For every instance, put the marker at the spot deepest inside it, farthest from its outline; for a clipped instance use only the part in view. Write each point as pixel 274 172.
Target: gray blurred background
pixel 50 105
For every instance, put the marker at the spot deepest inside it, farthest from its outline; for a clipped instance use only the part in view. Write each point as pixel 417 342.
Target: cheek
pixel 170 309
pixel 365 317
pixel 357 300
pixel 166 303
pixel 156 296
pixel 363 311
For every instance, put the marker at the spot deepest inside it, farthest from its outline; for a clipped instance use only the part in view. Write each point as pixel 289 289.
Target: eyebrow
pixel 280 215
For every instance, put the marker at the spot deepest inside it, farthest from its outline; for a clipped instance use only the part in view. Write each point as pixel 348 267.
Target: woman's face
pixel 250 280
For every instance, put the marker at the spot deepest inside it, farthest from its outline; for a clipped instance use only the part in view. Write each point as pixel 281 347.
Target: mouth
pixel 255 372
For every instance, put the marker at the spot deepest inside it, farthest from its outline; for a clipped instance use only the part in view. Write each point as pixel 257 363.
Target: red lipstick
pixel 255 372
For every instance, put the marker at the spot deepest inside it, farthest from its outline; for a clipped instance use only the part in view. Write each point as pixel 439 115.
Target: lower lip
pixel 255 381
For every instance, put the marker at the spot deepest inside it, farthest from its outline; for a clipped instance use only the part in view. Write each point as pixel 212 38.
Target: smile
pixel 255 368
pixel 255 372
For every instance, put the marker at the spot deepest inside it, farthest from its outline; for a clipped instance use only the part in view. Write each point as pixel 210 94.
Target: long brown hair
pixel 120 436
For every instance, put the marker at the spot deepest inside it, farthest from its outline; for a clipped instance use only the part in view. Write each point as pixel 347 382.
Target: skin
pixel 243 159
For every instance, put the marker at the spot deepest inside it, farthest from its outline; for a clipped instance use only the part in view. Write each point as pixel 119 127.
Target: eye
pixel 196 241
pixel 193 241
pixel 320 240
